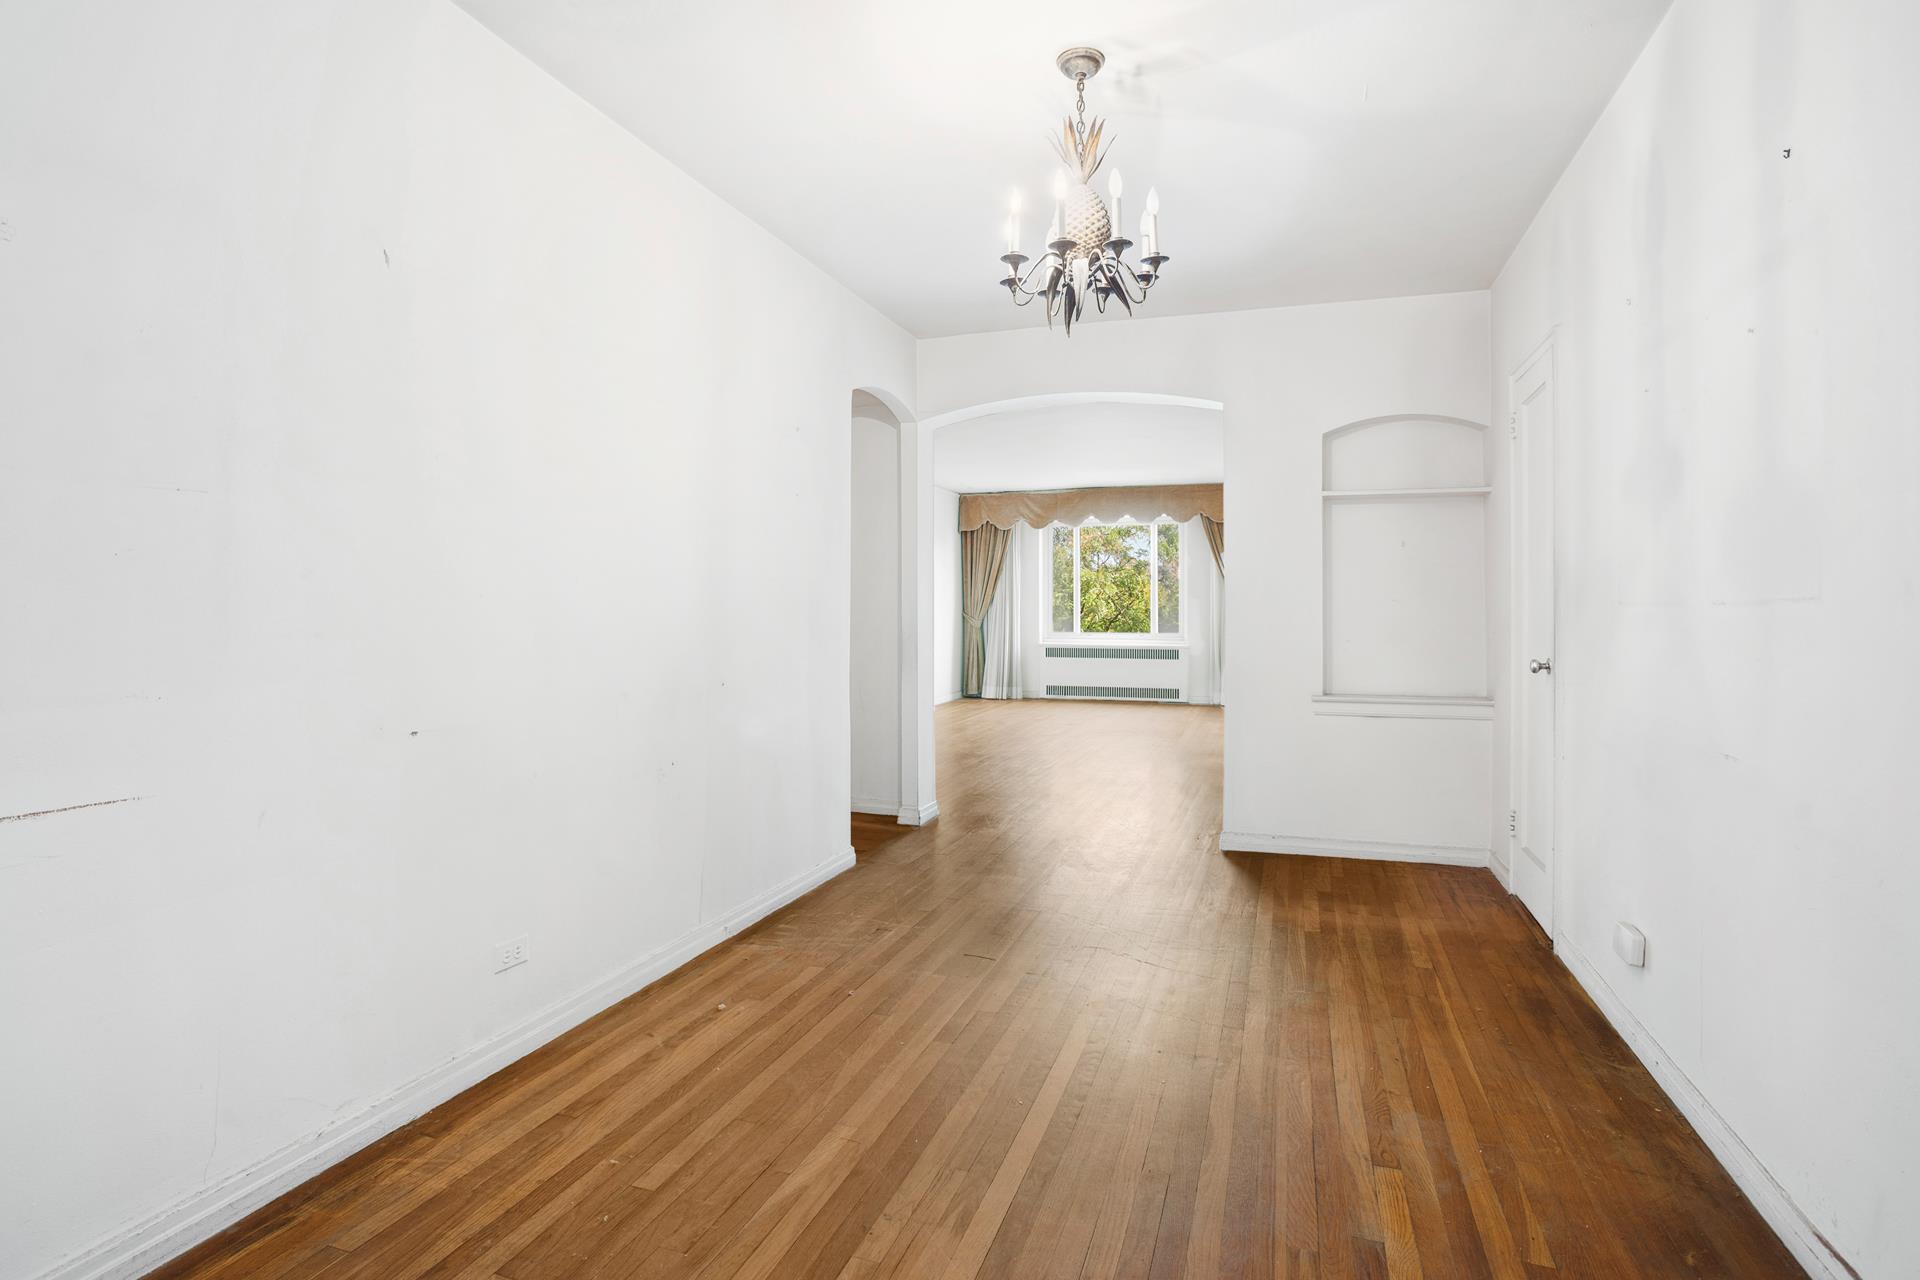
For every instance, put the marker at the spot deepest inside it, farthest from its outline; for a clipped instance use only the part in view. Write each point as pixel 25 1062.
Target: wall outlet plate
pixel 1630 944
pixel 508 954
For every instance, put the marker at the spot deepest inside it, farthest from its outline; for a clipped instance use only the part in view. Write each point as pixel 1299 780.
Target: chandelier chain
pixel 1080 105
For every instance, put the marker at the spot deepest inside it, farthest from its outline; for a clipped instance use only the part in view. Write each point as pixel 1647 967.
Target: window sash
pixel 1153 581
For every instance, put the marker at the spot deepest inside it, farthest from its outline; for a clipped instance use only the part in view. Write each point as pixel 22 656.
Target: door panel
pixel 1533 719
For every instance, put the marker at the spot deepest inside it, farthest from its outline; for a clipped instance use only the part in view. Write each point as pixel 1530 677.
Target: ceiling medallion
pixel 1086 253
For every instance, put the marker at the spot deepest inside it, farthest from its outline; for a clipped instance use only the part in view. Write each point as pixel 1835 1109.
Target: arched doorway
pixel 890 605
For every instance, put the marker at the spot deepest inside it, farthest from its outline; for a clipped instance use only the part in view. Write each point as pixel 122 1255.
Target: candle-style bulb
pixel 1113 184
pixel 1060 184
pixel 1153 201
pixel 1013 202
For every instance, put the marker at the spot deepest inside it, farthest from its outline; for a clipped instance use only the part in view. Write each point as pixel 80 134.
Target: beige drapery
pixel 1216 539
pixel 983 553
pixel 1038 508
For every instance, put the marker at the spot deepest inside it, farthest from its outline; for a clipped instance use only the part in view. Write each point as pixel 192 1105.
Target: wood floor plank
pixel 1058 1034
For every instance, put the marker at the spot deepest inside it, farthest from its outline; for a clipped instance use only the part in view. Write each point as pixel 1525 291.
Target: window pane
pixel 1114 587
pixel 1062 579
pixel 1169 535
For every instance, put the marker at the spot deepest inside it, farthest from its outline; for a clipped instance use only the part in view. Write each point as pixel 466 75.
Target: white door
pixel 1533 682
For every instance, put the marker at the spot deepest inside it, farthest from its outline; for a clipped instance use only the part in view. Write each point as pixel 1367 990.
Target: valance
pixel 1038 508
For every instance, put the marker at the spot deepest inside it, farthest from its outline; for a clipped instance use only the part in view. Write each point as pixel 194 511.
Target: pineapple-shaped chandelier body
pixel 1087 223
pixel 1085 250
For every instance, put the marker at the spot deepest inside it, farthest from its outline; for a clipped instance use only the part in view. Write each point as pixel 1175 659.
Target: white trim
pixel 1372 850
pixel 951 695
pixel 135 1250
pixel 1058 399
pixel 1497 863
pixel 1116 640
pixel 867 804
pixel 1799 1234
pixel 1355 495
pixel 919 817
pixel 1402 706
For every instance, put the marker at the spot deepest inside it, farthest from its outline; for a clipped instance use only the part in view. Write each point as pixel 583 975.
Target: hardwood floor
pixel 1058 1033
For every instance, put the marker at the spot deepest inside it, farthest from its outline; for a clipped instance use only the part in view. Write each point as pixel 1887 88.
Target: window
pixel 1115 579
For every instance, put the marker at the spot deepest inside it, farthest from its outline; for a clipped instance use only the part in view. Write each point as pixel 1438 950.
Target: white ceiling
pixel 1305 150
pixel 1080 445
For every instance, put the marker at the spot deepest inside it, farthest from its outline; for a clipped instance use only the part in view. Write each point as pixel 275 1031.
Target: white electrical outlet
pixel 509 954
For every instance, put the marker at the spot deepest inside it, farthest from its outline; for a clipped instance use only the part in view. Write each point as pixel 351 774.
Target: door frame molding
pixel 917 801
pixel 1542 353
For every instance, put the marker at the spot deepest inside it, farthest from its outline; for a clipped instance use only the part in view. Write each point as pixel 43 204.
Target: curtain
pixel 1217 641
pixel 1216 539
pixel 1007 620
pixel 983 553
pixel 1217 611
pixel 1038 508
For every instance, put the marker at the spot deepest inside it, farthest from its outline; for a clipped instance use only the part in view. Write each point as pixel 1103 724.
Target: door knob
pixel 1540 664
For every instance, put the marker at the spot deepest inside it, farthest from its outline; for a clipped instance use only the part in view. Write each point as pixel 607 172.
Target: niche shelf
pixel 1403 554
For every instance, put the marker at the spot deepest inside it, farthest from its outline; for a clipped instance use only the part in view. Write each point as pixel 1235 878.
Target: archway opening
pixel 889 651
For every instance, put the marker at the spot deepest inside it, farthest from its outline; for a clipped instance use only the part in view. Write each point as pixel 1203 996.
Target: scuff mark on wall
pixel 47 813
pixel 1835 1252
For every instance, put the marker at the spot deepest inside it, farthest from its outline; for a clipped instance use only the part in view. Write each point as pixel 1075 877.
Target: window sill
pixel 1084 641
pixel 1402 706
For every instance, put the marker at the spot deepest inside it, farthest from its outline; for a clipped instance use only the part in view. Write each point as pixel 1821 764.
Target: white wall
pixel 1286 376
pixel 946 595
pixel 371 406
pixel 875 586
pixel 1739 590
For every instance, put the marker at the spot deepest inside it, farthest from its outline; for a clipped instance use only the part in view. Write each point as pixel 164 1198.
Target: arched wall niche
pixel 892 403
pixel 1404 620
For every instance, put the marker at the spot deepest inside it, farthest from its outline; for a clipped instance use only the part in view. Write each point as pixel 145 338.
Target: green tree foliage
pixel 1115 593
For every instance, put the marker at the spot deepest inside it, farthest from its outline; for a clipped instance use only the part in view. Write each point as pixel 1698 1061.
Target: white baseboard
pixel 1497 863
pixel 1800 1236
pixel 1375 850
pixel 919 817
pixel 867 804
pixel 952 695
pixel 135 1250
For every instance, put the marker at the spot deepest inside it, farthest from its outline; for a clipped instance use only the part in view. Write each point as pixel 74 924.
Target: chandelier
pixel 1085 250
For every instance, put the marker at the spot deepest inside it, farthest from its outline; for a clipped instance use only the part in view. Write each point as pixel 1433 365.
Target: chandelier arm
pixel 1026 282
pixel 1148 278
